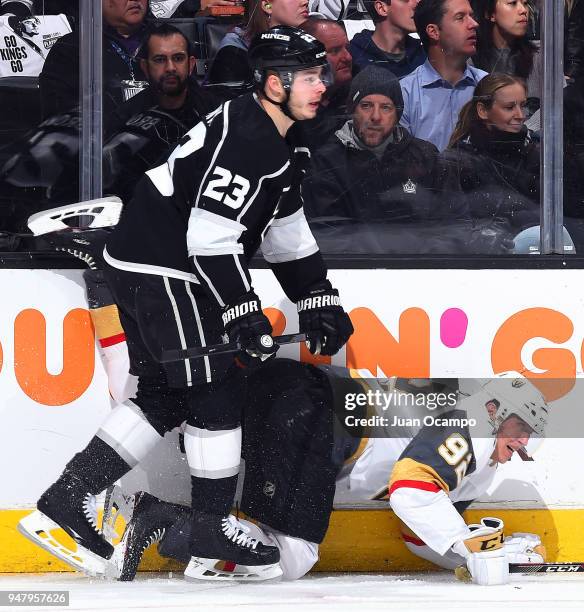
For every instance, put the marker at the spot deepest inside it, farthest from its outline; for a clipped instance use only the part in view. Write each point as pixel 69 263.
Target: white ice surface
pixel 322 592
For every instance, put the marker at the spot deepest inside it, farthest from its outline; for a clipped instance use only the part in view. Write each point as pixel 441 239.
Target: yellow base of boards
pixel 357 541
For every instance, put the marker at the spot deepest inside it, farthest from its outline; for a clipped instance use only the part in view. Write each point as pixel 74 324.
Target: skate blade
pixel 37 527
pixel 115 565
pixel 117 513
pixel 103 212
pixel 200 568
pixel 118 566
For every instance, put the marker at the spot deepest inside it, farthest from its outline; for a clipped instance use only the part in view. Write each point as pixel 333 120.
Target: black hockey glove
pixel 322 318
pixel 244 322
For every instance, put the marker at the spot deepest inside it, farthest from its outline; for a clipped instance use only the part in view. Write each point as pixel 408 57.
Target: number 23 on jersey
pixel 226 188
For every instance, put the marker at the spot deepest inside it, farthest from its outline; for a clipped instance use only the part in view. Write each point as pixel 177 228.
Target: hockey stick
pixel 103 212
pixel 220 349
pixel 545 568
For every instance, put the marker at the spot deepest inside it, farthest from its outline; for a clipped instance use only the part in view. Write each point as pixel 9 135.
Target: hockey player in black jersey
pixel 177 265
pixel 291 460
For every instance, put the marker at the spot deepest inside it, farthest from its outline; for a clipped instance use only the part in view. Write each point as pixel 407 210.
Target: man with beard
pixel 167 60
pixel 373 184
pixel 149 125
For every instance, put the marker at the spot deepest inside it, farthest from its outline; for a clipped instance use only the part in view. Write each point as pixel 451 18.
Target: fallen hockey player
pixel 436 474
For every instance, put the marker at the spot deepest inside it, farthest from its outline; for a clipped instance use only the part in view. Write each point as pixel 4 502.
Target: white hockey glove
pixel 524 548
pixel 486 561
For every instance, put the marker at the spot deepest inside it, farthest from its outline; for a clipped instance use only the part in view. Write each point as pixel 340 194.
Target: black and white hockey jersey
pixel 232 185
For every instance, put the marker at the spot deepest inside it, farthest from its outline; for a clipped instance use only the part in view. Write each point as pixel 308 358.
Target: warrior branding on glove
pixel 322 318
pixel 240 310
pixel 319 301
pixel 244 322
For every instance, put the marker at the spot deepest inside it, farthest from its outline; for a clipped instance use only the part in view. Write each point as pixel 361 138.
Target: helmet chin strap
pixel 284 106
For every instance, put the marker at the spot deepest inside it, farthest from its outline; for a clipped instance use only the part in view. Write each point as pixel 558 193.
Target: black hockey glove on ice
pixel 322 318
pixel 244 322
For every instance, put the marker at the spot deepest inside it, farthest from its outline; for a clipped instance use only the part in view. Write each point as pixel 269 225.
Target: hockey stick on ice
pixel 104 212
pixel 219 349
pixel 545 568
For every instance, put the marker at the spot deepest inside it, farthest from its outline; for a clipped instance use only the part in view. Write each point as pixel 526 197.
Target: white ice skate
pixel 200 568
pixel 39 529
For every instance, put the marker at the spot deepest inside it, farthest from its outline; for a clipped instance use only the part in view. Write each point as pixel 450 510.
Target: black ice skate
pixel 221 549
pixel 150 520
pixel 84 244
pixel 69 505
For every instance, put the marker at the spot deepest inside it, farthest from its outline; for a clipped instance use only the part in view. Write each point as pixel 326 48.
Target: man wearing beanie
pixel 373 174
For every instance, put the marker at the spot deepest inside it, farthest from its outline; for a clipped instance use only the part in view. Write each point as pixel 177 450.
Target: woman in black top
pixel 496 159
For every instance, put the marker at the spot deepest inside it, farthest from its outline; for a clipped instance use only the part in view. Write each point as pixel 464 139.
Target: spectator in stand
pixel 374 180
pixel 496 159
pixel 124 30
pixel 148 126
pixel 230 66
pixel 503 44
pixel 390 45
pixel 574 38
pixel 332 112
pixel 436 91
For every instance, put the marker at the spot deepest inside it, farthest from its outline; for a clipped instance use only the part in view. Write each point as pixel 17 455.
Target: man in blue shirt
pixel 390 45
pixel 436 91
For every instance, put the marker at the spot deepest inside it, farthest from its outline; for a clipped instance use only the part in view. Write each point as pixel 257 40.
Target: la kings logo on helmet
pixel 275 36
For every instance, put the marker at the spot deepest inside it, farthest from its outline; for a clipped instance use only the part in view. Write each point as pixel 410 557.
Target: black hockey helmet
pixel 286 50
